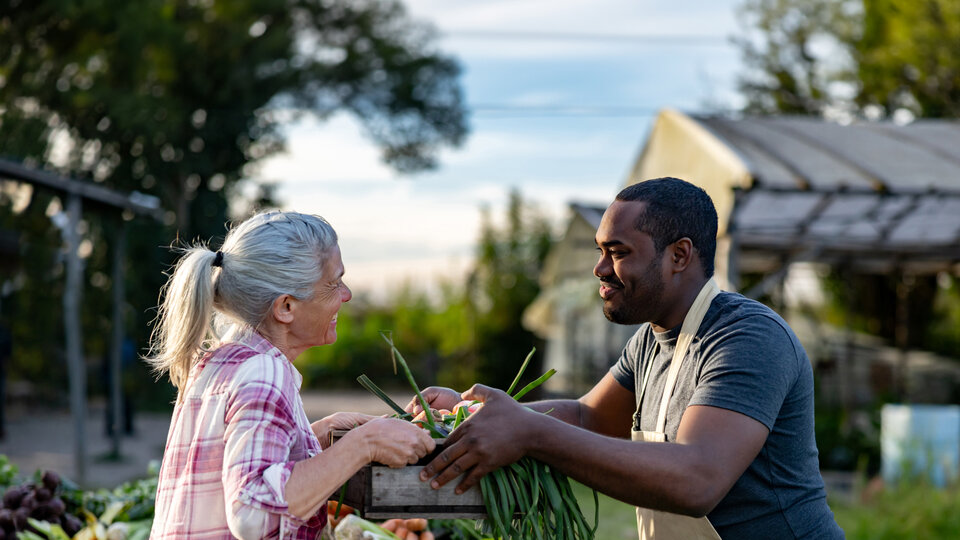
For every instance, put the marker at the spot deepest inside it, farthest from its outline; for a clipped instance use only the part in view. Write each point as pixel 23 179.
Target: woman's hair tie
pixel 218 260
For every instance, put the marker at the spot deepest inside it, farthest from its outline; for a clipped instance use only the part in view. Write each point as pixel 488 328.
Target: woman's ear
pixel 283 308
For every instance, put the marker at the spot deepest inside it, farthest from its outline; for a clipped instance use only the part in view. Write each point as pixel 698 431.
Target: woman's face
pixel 316 320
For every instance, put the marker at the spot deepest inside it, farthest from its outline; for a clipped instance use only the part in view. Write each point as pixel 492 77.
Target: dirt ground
pixel 45 439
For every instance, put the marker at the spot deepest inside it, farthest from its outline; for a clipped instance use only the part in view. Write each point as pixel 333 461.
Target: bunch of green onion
pixel 525 500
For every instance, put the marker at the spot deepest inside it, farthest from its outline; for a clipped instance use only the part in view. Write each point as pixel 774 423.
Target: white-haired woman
pixel 241 458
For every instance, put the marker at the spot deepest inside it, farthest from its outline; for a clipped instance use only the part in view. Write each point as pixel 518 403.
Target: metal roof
pixel 874 194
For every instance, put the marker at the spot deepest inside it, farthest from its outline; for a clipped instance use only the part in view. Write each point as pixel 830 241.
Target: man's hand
pixel 437 397
pixel 492 437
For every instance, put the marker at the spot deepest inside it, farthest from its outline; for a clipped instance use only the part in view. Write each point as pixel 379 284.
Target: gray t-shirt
pixel 744 358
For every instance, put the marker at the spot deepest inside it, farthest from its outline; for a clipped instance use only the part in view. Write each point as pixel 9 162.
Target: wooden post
pixel 74 340
pixel 116 349
pixel 902 335
pixel 845 361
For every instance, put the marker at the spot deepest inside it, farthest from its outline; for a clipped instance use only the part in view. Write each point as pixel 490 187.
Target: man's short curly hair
pixel 676 209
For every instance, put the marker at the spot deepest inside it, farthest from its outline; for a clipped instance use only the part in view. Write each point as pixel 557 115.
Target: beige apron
pixel 656 524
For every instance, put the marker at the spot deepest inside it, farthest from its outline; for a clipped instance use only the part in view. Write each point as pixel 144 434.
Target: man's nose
pixel 602 268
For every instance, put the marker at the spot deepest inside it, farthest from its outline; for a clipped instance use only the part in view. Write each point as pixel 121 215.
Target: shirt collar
pixel 252 339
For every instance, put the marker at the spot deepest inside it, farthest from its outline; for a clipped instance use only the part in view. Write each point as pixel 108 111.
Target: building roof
pixel 876 195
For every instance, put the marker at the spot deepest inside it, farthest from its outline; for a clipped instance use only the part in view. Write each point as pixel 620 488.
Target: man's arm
pixel 606 409
pixel 713 448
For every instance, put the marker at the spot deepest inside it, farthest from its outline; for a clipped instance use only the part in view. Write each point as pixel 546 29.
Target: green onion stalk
pixel 526 500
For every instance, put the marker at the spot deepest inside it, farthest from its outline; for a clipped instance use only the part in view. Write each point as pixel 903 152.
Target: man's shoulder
pixel 753 321
pixel 730 307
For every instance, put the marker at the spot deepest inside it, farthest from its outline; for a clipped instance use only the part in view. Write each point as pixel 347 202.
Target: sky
pixel 562 95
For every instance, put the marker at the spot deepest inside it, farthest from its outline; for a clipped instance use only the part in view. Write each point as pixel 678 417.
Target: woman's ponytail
pixel 183 324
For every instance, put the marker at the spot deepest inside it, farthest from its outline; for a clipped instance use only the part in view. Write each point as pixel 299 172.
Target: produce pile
pixel 47 507
pixel 39 501
pixel 524 501
pixel 347 525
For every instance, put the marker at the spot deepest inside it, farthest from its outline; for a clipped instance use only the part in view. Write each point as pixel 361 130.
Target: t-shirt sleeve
pixel 749 368
pixel 626 367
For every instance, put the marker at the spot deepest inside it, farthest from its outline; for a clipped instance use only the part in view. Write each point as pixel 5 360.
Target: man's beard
pixel 641 306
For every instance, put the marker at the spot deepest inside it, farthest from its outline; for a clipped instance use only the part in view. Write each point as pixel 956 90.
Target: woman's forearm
pixel 313 480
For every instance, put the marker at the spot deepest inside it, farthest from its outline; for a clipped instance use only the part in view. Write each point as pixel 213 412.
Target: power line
pixel 493 110
pixel 699 40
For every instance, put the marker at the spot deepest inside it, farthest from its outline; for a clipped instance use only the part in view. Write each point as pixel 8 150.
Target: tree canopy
pixel 875 58
pixel 179 99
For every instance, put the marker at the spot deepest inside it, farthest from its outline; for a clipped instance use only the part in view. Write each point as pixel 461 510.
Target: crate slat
pixel 380 492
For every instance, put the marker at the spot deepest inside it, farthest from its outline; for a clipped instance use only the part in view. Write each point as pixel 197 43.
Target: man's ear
pixel 283 308
pixel 681 254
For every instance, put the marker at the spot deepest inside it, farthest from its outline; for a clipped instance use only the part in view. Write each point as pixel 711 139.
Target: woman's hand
pixel 437 397
pixel 393 442
pixel 340 420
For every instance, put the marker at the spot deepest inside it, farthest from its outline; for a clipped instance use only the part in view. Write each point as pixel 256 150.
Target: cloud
pixel 332 151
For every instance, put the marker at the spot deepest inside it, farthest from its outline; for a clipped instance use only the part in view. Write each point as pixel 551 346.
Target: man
pixel 736 427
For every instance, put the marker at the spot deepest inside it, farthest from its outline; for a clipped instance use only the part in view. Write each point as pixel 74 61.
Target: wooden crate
pixel 380 492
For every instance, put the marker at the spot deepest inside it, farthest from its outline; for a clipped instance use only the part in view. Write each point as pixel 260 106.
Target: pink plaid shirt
pixel 236 432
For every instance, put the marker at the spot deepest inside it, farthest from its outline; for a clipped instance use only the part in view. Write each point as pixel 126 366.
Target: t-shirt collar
pixel 668 338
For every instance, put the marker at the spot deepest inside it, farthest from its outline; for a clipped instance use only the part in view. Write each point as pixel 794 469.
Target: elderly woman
pixel 241 459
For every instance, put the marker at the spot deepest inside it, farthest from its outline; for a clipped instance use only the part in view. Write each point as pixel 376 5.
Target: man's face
pixel 630 270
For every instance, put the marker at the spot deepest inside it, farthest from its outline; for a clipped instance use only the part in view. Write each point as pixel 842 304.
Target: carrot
pixel 427 535
pixel 412 536
pixel 401 532
pixel 416 524
pixel 391 524
pixel 344 509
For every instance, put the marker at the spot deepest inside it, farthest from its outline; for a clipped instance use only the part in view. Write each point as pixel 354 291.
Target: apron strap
pixel 691 323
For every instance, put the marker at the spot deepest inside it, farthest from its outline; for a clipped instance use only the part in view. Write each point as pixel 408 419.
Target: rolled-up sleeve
pixel 260 428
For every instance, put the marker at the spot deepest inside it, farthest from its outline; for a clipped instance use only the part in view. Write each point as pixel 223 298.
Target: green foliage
pixel 876 304
pixel 782 45
pixel 941 334
pixel 179 99
pixel 907 56
pixel 848 440
pixel 503 284
pixel 908 510
pixel 135 499
pixel 8 473
pixel 811 56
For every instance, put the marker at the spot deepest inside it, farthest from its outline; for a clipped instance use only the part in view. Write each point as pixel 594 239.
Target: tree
pixel 181 98
pixel 869 57
pixel 797 53
pixel 174 98
pixel 503 283
pixel 908 57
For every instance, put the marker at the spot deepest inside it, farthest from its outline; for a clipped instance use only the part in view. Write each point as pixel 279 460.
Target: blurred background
pixel 464 153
